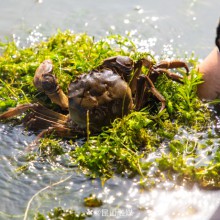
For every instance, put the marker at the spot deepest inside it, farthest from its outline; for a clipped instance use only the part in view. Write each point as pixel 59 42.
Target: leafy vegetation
pixel 61 214
pixel 125 147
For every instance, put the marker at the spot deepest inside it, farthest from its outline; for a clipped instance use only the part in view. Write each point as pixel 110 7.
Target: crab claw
pixel 44 70
pixel 45 81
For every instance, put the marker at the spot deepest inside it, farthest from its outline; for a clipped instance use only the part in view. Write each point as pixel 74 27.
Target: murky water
pixel 166 27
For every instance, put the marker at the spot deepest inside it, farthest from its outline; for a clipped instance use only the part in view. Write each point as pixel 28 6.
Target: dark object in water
pixel 217 39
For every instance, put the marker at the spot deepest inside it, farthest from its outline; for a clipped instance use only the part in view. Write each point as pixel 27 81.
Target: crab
pixel 94 99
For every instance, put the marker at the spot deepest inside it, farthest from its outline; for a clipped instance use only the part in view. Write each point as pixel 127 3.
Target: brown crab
pixel 94 99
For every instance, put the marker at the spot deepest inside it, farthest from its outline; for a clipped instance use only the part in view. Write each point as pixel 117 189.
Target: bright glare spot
pixel 110 200
pixel 100 195
pixel 137 7
pixel 39 177
pixel 194 18
pixel 133 192
pixel 34 37
pixel 140 11
pixel 106 190
pixel 143 200
pixel 126 21
pixel 128 206
pixel 133 32
pixel 16 40
pixel 119 194
pixel 167 49
pixel 154 18
pixel 112 27
pixel 86 24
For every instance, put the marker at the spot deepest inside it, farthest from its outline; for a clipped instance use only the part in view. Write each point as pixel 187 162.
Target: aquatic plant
pixel 125 147
pixel 59 213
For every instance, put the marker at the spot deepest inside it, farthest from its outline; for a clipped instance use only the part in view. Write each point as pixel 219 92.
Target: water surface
pixel 166 27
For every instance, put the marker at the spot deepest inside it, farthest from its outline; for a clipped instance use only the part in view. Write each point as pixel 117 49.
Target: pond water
pixel 169 28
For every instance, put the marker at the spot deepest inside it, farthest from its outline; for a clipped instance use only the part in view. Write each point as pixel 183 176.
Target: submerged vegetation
pixel 59 213
pixel 126 146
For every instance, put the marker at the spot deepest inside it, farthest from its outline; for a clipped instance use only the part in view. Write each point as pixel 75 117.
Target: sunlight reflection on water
pixel 166 201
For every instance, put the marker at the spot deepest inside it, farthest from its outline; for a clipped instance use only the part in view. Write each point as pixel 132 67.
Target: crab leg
pixel 137 72
pixel 139 97
pixel 37 121
pixel 134 79
pixel 12 112
pixel 60 131
pixel 172 64
pixel 171 75
pixel 141 85
pixel 38 108
pixel 156 93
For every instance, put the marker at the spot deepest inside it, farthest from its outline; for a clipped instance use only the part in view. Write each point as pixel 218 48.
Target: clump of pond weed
pixel 59 213
pixel 119 148
pixel 123 148
pixel 184 164
pixel 92 201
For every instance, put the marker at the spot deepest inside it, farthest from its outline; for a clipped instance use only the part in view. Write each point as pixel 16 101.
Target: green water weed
pixel 124 147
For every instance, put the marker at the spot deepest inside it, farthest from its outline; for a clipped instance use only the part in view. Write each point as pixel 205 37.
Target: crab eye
pixel 49 83
pixel 125 61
